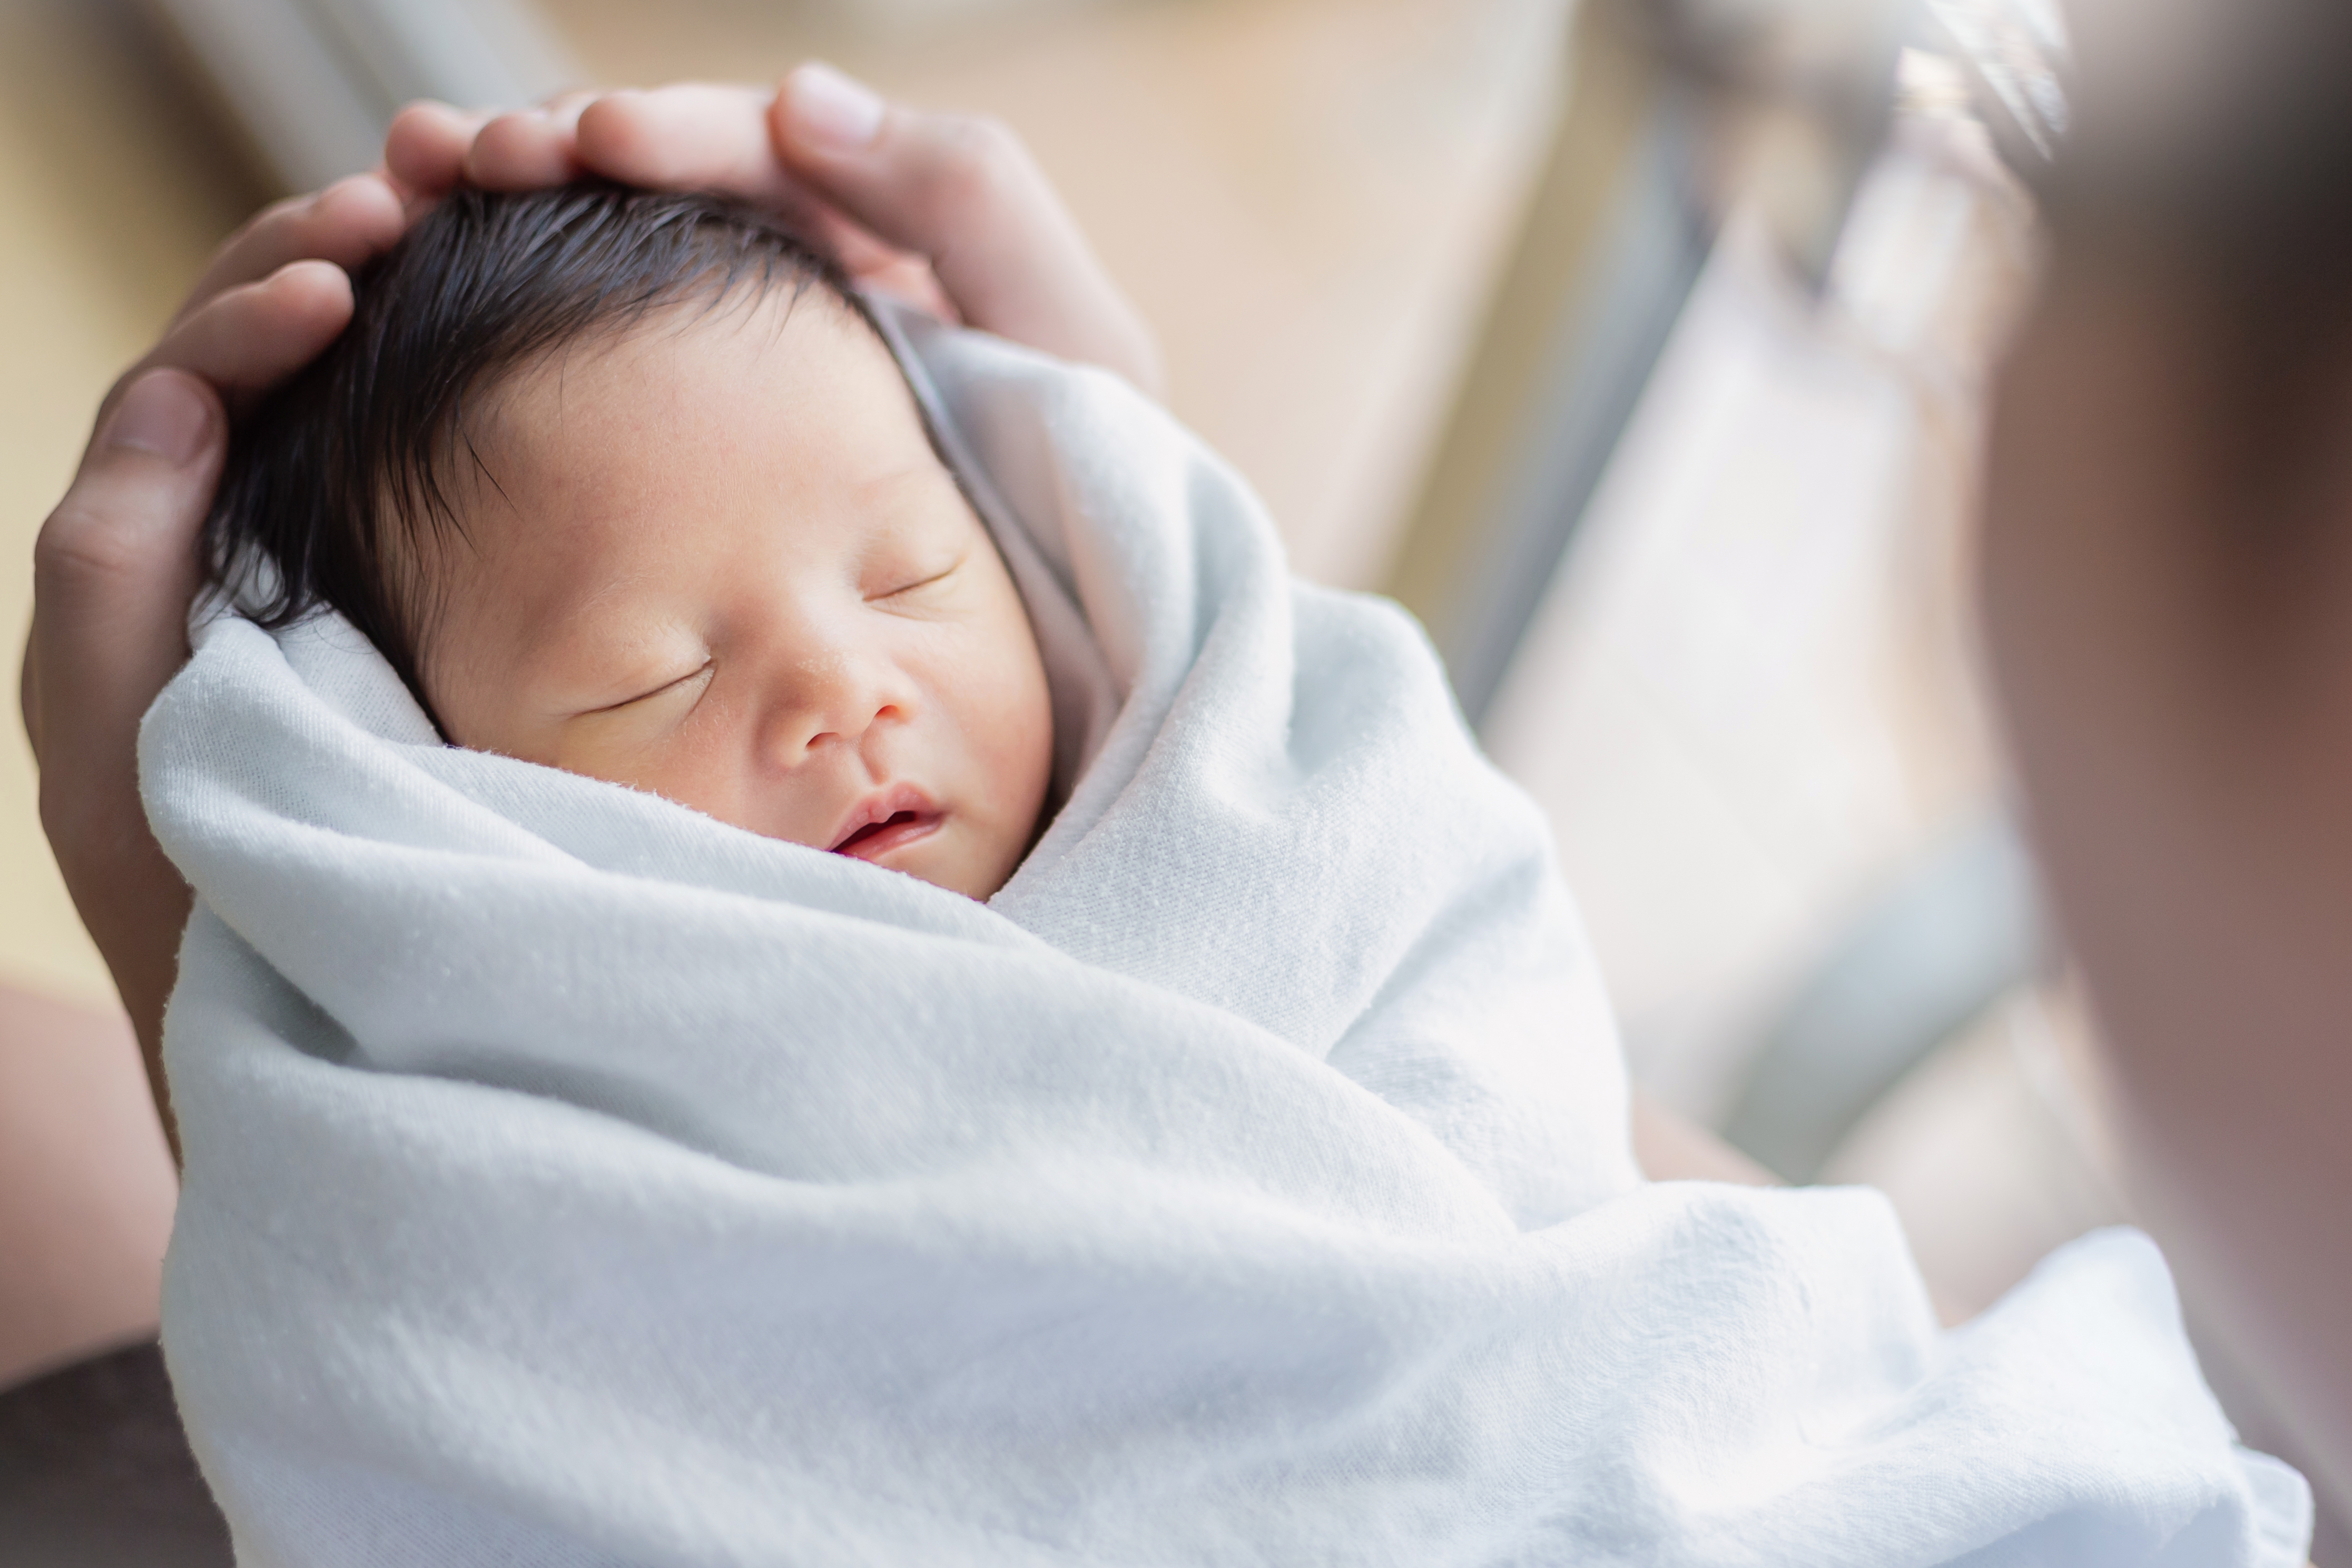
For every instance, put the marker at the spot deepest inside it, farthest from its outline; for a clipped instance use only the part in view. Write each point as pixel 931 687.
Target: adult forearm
pixel 1672 1148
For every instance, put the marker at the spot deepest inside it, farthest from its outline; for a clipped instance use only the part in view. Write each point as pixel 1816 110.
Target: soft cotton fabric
pixel 575 1179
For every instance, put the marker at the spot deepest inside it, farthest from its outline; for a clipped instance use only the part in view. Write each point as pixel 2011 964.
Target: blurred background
pixel 1640 348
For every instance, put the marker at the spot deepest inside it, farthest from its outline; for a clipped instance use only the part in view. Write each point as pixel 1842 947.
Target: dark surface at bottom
pixel 95 1471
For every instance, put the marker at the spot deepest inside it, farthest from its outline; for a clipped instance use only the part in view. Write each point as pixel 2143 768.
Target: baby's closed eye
pixel 679 689
pixel 911 579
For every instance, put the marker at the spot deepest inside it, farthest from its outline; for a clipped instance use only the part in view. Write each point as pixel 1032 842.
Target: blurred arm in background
pixel 2167 581
pixel 1671 1147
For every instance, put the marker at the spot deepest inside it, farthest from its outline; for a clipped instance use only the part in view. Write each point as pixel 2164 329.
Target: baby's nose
pixel 835 697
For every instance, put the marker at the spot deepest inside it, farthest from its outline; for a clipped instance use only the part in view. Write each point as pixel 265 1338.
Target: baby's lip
pixel 885 821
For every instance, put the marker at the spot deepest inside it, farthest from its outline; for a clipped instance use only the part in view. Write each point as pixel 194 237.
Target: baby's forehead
pixel 731 344
pixel 783 432
pixel 800 383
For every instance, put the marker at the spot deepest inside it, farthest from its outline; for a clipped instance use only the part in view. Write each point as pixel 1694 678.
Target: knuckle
pixel 78 545
pixel 982 160
pixel 279 216
pixel 88 550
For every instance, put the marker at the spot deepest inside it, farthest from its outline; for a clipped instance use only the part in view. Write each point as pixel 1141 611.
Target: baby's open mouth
pixel 895 818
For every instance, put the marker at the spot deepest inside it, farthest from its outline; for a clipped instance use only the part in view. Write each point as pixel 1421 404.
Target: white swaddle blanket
pixel 575 1179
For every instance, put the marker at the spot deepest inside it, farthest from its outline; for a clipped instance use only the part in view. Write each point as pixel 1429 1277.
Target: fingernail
pixel 159 412
pixel 830 109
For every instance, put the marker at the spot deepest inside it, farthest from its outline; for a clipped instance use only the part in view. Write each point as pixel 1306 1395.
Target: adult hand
pixel 115 565
pixel 946 208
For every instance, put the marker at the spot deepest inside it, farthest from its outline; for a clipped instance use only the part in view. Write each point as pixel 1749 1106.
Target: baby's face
pixel 717 559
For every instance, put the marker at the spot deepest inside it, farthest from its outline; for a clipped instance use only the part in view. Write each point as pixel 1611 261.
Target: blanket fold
pixel 573 1179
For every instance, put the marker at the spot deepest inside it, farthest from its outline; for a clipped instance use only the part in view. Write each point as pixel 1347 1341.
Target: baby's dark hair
pixel 357 452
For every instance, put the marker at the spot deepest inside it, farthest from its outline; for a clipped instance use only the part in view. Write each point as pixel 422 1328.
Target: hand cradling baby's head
pixel 628 485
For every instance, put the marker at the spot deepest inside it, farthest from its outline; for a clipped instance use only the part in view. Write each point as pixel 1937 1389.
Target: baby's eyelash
pixel 939 576
pixel 693 674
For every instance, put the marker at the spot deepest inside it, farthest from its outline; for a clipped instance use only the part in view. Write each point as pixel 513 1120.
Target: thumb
pixel 964 193
pixel 115 566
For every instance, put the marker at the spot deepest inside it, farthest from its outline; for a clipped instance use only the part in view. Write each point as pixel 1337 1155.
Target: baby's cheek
pixel 1017 734
pixel 686 763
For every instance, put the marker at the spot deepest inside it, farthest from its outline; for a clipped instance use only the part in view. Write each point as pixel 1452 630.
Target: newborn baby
pixel 629 484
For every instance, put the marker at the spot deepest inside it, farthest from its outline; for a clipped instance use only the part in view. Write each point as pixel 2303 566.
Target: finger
pixel 528 149
pixel 693 136
pixel 700 136
pixel 859 254
pixel 347 224
pixel 965 194
pixel 688 136
pixel 425 148
pixel 246 340
pixel 910 278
